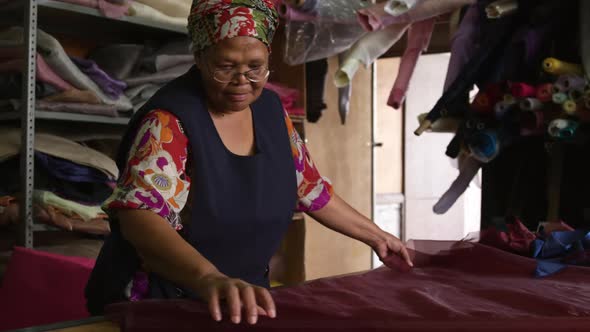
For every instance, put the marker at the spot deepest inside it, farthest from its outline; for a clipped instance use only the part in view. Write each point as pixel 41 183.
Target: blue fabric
pixel 241 205
pixel 559 249
pixel 66 170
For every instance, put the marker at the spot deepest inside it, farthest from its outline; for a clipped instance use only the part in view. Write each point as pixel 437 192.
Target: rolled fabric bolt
pixel 559 98
pixel 569 106
pixel 292 14
pixel 468 171
pixel 482 104
pixel 502 107
pixel 522 90
pixel 531 123
pixel 575 94
pixel 562 128
pixel 557 67
pixel 573 81
pixel 398 7
pixel 530 104
pixel 484 145
pixel 545 92
pixel 501 8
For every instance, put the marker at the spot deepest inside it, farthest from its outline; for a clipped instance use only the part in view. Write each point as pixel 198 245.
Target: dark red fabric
pixel 43 288
pixel 457 286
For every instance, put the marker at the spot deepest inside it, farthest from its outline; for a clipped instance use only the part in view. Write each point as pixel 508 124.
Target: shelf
pixel 95 12
pixel 61 116
pixel 45 228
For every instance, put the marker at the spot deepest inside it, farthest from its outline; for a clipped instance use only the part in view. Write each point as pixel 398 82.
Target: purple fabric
pixel 66 170
pixel 454 286
pixel 110 86
pixel 463 44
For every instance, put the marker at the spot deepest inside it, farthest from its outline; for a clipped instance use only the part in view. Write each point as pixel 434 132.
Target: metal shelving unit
pixel 27 114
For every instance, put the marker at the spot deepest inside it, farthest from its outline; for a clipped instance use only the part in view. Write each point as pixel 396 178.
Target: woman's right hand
pixel 239 296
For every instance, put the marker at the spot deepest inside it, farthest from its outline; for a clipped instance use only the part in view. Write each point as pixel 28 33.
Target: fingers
pixel 265 301
pixel 234 304
pixel 214 308
pixel 406 256
pixel 250 307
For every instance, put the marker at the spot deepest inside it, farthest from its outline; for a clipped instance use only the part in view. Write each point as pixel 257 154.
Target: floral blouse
pixel 157 177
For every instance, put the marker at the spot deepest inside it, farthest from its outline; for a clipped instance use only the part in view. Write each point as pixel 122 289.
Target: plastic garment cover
pixel 454 286
pixel 326 30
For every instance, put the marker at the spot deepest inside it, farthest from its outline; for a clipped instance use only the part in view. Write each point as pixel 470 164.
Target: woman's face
pixel 237 55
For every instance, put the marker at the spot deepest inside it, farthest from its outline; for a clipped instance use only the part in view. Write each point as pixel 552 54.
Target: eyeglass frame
pixel 235 72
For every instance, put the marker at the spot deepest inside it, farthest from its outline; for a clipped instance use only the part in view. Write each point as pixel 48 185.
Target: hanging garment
pixel 111 87
pixel 344 94
pixel 419 35
pixel 468 170
pixel 375 18
pixel 117 60
pixel 366 50
pixel 315 73
pixel 585 35
pixel 44 72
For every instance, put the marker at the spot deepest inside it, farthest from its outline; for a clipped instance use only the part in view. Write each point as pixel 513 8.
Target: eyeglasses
pixel 255 75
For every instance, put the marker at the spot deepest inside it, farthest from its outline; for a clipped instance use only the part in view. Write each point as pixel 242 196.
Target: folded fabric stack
pixel 71 182
pixel 288 97
pixel 63 84
pixel 143 68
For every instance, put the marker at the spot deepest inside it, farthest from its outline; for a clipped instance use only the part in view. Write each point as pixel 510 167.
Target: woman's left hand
pixel 388 245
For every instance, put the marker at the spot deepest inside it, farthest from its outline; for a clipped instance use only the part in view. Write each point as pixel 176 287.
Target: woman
pixel 216 133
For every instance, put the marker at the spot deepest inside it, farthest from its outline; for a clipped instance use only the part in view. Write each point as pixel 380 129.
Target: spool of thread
pixel 545 92
pixel 530 104
pixel 569 106
pixel 509 98
pixel 557 67
pixel 484 145
pixel 522 90
pixel 559 98
pixel 562 128
pixel 531 123
pixel 502 107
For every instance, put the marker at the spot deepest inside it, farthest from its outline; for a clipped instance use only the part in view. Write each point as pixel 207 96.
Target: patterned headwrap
pixel 211 21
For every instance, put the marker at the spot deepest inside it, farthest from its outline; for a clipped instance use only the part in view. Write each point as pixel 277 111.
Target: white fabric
pixel 367 49
pixel 398 7
pixel 10 144
pixel 172 8
pixel 141 10
pixel 69 208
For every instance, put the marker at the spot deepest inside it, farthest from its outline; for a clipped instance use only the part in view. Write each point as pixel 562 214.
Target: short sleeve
pixel 313 190
pixel 155 176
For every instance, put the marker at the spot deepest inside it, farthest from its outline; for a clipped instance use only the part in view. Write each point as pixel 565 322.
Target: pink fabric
pixel 42 288
pixel 291 14
pixel 375 18
pixel 517 238
pixel 44 72
pixel 288 95
pixel 455 286
pixel 418 39
pixel 107 8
